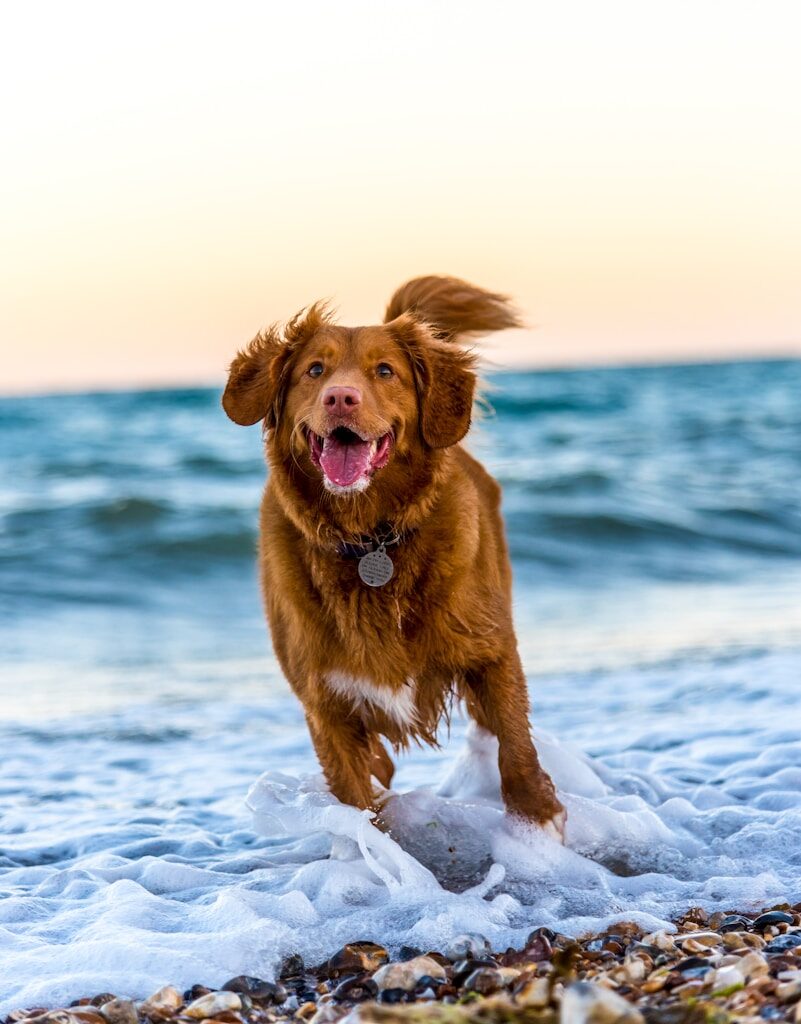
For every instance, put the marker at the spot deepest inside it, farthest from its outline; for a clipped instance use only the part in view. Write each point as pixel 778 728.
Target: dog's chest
pixel 398 704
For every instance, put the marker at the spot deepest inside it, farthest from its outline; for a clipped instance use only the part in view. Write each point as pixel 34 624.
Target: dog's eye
pixel 315 369
pixel 384 370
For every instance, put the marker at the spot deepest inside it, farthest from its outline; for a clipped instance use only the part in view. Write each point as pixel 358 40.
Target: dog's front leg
pixel 497 699
pixel 345 753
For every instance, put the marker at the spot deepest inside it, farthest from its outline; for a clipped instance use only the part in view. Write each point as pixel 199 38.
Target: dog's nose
pixel 341 400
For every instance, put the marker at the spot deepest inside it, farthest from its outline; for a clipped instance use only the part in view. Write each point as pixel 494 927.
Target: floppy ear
pixel 445 378
pixel 255 380
pixel 446 401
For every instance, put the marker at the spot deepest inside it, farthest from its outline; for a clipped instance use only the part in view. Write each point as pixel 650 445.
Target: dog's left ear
pixel 446 405
pixel 255 380
pixel 446 381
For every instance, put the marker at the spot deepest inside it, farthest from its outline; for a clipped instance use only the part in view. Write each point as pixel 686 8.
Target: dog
pixel 384 564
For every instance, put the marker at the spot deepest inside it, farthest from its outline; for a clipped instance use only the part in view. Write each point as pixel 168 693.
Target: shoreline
pixel 716 967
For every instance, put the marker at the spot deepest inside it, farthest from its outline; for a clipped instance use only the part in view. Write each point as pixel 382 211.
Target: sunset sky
pixel 177 175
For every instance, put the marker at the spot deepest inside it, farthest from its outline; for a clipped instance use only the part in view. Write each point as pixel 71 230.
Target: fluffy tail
pixel 452 307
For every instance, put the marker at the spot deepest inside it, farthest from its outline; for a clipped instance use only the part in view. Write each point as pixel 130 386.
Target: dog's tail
pixel 452 307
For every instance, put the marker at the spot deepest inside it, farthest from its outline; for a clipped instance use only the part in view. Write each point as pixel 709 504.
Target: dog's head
pixel 344 403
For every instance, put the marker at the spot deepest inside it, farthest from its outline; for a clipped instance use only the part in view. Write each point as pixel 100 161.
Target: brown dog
pixel 383 559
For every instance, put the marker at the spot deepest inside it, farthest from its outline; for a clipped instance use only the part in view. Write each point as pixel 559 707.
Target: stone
pixel 772 917
pixel 259 990
pixel 484 980
pixel 662 940
pixel 356 989
pixel 119 1011
pixel 356 957
pixel 585 1003
pixel 467 945
pixel 783 943
pixel 742 940
pixel 534 992
pixel 753 965
pixel 697 942
pixel 726 977
pixel 789 988
pixel 464 968
pixel 162 1004
pixel 405 975
pixel 212 1004
pixel 733 923
pixel 291 966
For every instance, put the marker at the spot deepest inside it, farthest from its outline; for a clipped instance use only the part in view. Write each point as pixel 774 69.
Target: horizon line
pixel 487 367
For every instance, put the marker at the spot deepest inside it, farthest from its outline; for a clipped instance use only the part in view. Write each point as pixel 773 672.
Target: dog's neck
pixel 402 495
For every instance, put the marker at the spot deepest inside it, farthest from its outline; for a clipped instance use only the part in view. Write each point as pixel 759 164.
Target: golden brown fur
pixel 444 619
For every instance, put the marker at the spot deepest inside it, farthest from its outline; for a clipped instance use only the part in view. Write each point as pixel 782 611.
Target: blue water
pixel 654 519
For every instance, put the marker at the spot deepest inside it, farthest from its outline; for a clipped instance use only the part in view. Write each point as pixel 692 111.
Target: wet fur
pixel 444 620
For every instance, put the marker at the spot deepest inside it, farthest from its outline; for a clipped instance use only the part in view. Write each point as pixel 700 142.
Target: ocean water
pixel 162 818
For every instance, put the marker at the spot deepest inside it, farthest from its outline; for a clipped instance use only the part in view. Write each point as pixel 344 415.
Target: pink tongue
pixel 343 464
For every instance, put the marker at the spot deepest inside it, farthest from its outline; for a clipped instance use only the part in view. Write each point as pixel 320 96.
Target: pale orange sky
pixel 177 175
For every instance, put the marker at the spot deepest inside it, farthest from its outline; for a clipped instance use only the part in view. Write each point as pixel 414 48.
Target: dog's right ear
pixel 255 380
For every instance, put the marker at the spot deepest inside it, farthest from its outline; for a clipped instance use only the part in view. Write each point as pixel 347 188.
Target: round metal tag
pixel 376 568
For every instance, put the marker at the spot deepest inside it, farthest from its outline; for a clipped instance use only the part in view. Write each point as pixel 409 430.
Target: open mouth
pixel 347 459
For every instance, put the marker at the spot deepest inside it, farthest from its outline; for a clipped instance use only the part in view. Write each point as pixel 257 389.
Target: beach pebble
pixel 485 980
pixel 258 989
pixel 783 943
pixel 742 940
pixel 356 989
pixel 119 1011
pixel 356 957
pixel 467 945
pixel 772 917
pixel 212 1004
pixel 406 974
pixel 661 940
pixel 584 1003
pixel 789 988
pixel 534 992
pixel 162 1004
pixel 753 965
pixel 697 942
pixel 74 1015
pixel 726 977
pixel 733 923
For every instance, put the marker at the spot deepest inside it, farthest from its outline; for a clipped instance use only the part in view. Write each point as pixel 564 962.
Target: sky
pixel 176 176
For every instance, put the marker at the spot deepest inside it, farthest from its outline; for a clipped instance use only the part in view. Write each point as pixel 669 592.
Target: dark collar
pixel 384 536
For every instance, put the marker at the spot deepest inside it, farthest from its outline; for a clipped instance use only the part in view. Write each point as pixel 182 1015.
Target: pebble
pixel 119 1011
pixel 404 975
pixel 733 923
pixel 356 956
pixel 783 943
pixel 532 991
pixel 726 977
pixel 753 965
pixel 467 945
pixel 213 1004
pixel 258 989
pixel 585 1003
pixel 485 980
pixel 789 987
pixel 772 917
pixel 162 1004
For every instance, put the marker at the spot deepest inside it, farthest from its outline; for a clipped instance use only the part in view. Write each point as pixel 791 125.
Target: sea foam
pixel 198 888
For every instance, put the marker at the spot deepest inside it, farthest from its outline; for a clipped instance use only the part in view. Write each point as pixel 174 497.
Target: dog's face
pixel 352 397
pixel 344 403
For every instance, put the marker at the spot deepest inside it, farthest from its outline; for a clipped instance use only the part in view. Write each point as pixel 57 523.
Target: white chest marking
pixel 399 705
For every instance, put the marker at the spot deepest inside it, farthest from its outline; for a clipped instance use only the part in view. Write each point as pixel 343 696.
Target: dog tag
pixel 376 568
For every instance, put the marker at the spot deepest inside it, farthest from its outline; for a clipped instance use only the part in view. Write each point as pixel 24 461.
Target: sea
pixel 162 815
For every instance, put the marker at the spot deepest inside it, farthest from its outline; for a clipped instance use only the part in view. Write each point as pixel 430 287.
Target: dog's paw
pixel 555 826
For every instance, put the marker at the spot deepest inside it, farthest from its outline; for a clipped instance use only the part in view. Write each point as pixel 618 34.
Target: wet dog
pixel 384 564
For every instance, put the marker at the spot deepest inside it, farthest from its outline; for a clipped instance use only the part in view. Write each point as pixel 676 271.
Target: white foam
pixel 129 859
